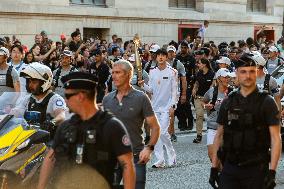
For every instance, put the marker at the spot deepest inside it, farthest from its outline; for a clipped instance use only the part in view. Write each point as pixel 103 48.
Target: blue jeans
pixel 140 173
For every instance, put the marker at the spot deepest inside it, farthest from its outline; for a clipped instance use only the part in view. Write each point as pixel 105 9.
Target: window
pixel 256 5
pixel 89 2
pixel 182 3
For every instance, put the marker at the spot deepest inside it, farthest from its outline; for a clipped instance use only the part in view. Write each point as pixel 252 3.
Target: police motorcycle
pixel 22 143
pixel 278 74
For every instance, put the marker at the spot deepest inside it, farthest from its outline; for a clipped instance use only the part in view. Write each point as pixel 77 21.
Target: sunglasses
pixel 69 95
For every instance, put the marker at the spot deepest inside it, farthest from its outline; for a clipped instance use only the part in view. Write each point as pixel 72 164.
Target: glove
pixel 48 125
pixel 269 180
pixel 214 177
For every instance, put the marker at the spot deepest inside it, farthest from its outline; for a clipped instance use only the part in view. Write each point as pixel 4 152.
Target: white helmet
pixel 38 71
pixel 258 58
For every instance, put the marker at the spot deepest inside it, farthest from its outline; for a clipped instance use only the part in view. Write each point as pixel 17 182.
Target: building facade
pixel 155 21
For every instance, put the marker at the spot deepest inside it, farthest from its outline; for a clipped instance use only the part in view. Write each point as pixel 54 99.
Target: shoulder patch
pixel 126 140
pixel 59 102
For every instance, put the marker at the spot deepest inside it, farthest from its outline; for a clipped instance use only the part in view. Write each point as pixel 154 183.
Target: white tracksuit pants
pixel 164 140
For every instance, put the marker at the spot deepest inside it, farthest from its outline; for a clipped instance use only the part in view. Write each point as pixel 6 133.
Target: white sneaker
pixel 173 164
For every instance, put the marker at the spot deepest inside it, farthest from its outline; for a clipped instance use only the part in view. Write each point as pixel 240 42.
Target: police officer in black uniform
pixel 91 137
pixel 249 132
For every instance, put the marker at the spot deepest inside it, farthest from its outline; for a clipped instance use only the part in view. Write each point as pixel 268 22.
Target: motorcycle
pixel 22 143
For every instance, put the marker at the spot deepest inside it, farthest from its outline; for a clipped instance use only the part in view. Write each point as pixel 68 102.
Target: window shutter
pixel 173 3
pixel 249 5
pixel 181 3
pixel 190 3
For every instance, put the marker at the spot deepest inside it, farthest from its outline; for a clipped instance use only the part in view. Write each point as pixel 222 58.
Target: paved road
pixel 192 170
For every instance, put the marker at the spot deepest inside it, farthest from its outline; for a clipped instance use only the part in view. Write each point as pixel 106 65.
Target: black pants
pixel 184 113
pixel 235 177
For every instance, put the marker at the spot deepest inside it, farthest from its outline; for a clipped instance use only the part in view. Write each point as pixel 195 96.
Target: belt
pixel 199 97
pixel 211 128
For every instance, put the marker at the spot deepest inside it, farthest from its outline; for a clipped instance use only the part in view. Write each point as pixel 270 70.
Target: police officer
pixel 64 68
pixel 91 137
pixel 9 78
pixel 51 106
pixel 249 127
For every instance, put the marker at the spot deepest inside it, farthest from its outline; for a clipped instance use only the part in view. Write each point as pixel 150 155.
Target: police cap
pixel 79 80
pixel 245 60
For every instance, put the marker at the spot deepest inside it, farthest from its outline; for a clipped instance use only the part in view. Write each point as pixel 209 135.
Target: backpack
pixel 57 75
pixel 215 95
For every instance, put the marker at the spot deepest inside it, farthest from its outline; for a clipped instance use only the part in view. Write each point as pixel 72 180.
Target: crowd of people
pixel 175 77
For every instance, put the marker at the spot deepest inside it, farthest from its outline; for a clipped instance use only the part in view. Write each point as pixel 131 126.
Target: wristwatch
pixel 174 106
pixel 151 147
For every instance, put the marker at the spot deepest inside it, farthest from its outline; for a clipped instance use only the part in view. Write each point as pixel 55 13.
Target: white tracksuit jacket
pixel 163 85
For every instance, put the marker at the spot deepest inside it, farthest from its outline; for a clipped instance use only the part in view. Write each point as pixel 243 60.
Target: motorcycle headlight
pixel 3 151
pixel 24 144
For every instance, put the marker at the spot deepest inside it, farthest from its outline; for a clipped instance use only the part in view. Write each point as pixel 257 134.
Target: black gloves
pixel 214 178
pixel 48 125
pixel 269 180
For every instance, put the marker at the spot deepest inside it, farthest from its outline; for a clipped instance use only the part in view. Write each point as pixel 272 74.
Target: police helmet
pixel 38 71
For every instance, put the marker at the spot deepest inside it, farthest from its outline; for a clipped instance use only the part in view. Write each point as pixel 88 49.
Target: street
pixel 193 167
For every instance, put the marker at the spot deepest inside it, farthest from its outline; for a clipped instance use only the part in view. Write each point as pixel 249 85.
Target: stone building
pixel 156 20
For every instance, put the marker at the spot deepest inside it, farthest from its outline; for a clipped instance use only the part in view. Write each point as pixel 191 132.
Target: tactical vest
pixel 246 136
pixel 57 75
pixel 40 107
pixel 9 79
pixel 97 150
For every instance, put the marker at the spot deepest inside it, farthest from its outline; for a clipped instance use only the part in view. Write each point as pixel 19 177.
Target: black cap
pixel 95 53
pixel 79 80
pixel 245 60
pixel 162 51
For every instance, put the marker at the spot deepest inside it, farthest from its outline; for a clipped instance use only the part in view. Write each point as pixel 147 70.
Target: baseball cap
pixel 4 51
pixel 224 60
pixel 273 49
pixel 67 53
pixel 62 36
pixel 171 48
pixel 224 72
pixel 131 58
pixel 154 48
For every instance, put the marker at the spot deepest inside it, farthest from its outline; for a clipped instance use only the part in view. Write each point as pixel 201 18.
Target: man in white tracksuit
pixel 163 85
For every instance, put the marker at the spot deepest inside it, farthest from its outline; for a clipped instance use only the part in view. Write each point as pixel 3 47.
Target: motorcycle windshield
pixel 10 115
pixel 11 124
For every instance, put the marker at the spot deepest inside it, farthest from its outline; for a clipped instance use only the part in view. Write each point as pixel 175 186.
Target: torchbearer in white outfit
pixel 163 85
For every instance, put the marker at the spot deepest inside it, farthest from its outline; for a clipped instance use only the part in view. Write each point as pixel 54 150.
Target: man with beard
pixel 183 111
pixel 51 106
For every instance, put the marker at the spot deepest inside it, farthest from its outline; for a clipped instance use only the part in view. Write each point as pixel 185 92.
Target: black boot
pixel 197 139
